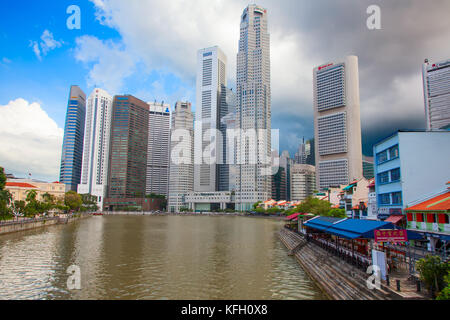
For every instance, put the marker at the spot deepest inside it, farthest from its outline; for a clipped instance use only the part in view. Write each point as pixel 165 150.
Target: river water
pixel 153 257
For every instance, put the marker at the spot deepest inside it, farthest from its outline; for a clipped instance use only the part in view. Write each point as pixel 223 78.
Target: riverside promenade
pixel 338 279
pixel 197 214
pixel 23 224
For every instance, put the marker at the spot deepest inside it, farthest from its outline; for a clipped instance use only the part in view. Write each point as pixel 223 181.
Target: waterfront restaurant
pixel 354 239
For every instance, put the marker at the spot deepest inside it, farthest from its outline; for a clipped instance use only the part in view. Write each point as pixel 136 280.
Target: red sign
pixel 323 67
pixel 392 236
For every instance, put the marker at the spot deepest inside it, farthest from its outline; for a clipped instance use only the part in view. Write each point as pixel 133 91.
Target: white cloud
pixel 46 44
pixel 30 140
pixel 109 62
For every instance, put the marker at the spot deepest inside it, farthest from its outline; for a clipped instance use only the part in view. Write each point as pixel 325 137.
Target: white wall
pixel 425 163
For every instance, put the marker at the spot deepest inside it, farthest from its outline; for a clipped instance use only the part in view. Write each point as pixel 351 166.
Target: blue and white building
pixel 72 149
pixel 410 166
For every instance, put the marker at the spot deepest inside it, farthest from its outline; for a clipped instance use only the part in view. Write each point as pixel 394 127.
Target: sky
pixel 147 48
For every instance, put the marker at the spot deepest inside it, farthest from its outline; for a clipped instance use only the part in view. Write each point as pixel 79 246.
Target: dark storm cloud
pixel 390 59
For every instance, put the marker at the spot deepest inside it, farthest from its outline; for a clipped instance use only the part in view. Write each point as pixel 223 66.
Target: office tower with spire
pixel 158 148
pixel 94 172
pixel 337 123
pixel 304 151
pixel 254 181
pixel 181 172
pixel 72 148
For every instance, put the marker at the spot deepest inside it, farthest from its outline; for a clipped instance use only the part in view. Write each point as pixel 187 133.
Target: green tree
pixel 5 196
pixel 73 200
pixel 89 203
pixel 33 206
pixel 337 213
pixel 445 293
pixel 432 272
pixel 314 206
pixel 260 210
pixel 255 205
pixel 19 206
pixel 272 211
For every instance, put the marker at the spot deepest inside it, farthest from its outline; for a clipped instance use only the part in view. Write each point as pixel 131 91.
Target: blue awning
pixel 321 223
pixel 358 228
pixel 343 234
pixel 354 228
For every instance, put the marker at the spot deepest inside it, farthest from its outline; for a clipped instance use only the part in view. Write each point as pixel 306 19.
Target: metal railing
pixel 26 220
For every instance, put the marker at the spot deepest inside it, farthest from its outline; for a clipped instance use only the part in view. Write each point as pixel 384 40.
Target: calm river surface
pixel 153 257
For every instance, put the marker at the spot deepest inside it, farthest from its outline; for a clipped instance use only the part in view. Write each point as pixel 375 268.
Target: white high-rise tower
pixel 253 115
pixel 211 86
pixel 337 123
pixel 436 91
pixel 181 172
pixel 94 168
pixel 158 148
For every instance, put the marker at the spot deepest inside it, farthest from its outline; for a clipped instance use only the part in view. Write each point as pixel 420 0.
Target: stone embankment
pixel 28 224
pixel 338 279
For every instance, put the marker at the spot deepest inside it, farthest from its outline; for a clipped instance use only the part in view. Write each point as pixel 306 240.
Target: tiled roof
pixel 439 203
pixel 20 185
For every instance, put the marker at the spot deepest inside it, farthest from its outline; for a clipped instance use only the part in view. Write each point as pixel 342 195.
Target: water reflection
pixel 142 257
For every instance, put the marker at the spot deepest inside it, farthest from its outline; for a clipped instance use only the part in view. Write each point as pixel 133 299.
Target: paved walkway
pixel 408 288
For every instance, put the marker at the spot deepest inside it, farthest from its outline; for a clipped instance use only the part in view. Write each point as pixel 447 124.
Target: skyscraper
pixel 129 143
pixel 337 123
pixel 94 172
pixel 253 116
pixel 181 176
pixel 158 149
pixel 304 151
pixel 211 87
pixel 226 157
pixel 436 91
pixel 303 181
pixel 72 148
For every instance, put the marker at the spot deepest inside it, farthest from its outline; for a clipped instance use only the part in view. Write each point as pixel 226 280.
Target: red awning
pixel 293 216
pixel 394 219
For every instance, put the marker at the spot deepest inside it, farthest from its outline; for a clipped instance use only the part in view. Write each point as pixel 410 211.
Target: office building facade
pixel 158 149
pixel 181 172
pixel 94 172
pixel 337 123
pixel 436 89
pixel 72 148
pixel 211 87
pixel 128 150
pixel 303 181
pixel 253 115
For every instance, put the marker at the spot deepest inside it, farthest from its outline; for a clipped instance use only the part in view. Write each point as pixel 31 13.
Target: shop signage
pixel 392 236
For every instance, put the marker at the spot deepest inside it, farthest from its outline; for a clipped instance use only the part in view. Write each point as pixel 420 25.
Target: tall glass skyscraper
pixel 128 148
pixel 94 172
pixel 436 89
pixel 72 148
pixel 253 117
pixel 337 123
